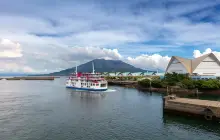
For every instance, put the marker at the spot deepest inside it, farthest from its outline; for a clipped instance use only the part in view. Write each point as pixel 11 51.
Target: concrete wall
pixel 189 108
pixel 184 107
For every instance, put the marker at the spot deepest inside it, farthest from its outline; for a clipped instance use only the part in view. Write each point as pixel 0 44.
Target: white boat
pixel 87 81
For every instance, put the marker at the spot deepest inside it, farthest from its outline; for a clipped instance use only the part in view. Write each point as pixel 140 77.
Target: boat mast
pixel 76 69
pixel 93 69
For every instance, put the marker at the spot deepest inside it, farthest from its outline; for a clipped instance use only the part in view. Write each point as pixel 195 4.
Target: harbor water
pixel 46 110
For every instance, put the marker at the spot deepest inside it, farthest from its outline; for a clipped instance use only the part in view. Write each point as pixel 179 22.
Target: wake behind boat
pixel 87 81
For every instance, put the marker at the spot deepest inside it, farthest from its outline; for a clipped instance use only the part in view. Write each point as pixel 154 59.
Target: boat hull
pixel 86 89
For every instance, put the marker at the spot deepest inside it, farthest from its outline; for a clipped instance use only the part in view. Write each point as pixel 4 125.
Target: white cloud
pixel 44 33
pixel 9 49
pixel 14 68
pixel 101 38
pixel 52 58
pixel 89 53
pixel 197 53
pixel 154 61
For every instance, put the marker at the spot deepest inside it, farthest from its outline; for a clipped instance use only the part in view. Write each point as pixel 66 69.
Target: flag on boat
pixel 79 74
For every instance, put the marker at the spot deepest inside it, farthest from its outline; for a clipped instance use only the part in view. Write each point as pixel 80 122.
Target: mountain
pixel 101 65
pixel 13 74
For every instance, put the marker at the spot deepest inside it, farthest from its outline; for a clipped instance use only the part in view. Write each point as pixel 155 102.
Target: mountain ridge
pixel 101 65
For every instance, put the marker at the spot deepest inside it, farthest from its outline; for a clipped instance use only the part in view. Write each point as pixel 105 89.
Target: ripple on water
pixel 47 110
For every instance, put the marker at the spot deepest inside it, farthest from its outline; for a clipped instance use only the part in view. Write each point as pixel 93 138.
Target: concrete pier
pixel 209 110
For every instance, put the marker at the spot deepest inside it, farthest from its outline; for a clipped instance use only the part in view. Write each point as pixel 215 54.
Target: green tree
pixel 188 83
pixel 144 83
pixel 208 84
pixel 156 83
pixel 174 78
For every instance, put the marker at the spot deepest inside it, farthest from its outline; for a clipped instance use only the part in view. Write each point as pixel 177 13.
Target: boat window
pixel 97 84
pixel 103 85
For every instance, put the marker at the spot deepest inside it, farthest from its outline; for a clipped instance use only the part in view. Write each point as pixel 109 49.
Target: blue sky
pixel 51 35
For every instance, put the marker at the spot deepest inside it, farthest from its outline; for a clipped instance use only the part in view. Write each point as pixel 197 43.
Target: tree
pixel 156 83
pixel 144 83
pixel 188 83
pixel 209 84
pixel 174 78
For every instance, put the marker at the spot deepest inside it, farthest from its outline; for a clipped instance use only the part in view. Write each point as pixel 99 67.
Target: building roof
pixel 184 61
pixel 192 64
pixel 198 60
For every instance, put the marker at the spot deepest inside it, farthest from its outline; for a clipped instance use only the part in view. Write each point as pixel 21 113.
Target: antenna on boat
pixel 93 69
pixel 76 69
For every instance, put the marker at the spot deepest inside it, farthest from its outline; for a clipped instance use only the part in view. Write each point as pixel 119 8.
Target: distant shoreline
pixel 180 91
pixel 29 78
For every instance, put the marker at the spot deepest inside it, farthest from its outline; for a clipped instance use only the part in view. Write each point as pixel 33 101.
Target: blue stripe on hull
pixel 87 89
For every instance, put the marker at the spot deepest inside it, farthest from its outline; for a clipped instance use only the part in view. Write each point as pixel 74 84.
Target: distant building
pixel 203 77
pixel 206 65
pixel 148 73
pixel 127 74
pixel 136 74
pixel 119 73
pixel 112 74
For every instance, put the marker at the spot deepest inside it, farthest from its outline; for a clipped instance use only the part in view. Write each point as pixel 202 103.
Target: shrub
pixel 155 77
pixel 135 78
pixel 199 83
pixel 209 84
pixel 174 78
pixel 144 83
pixel 164 83
pixel 156 83
pixel 188 83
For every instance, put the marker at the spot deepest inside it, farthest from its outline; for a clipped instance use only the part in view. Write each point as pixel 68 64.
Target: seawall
pixel 208 110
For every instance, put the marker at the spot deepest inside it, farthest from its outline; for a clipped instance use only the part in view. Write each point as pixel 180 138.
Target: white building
pixel 206 65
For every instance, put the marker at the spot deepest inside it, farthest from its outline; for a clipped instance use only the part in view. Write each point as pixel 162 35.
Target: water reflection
pixel 185 123
pixel 88 94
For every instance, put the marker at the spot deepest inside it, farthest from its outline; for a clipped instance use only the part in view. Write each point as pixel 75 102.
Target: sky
pixel 43 36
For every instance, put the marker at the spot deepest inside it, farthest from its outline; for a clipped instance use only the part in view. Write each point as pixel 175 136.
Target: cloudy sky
pixel 41 36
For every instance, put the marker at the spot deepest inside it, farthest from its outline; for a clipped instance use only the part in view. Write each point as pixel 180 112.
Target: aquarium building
pixel 206 65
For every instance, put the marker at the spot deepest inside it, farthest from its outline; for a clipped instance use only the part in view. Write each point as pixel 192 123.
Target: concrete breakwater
pixel 209 110
pixel 30 78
